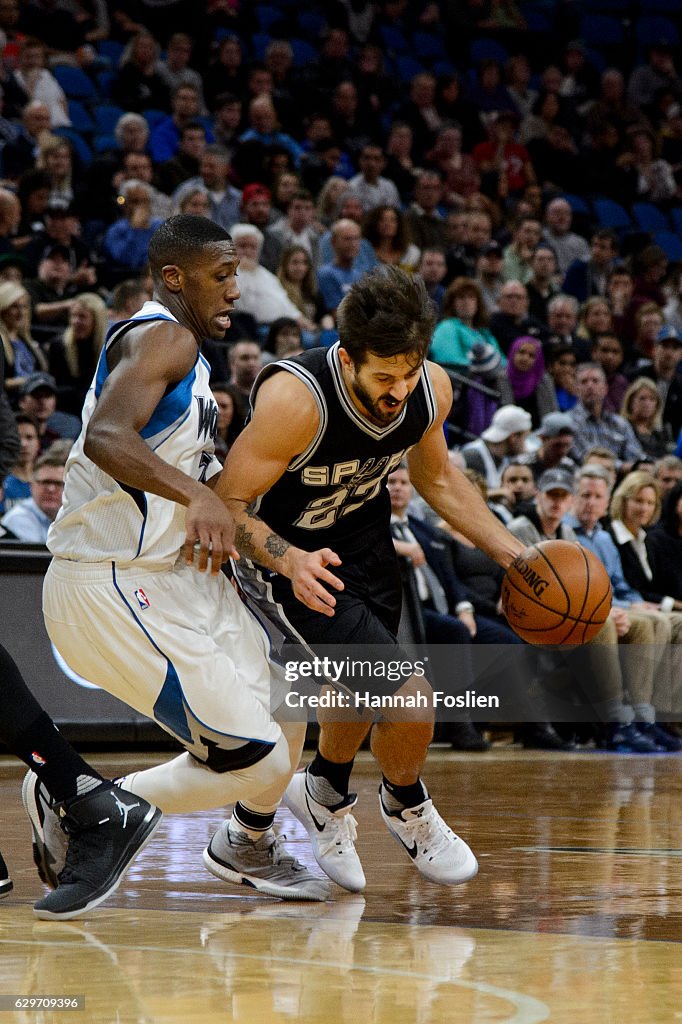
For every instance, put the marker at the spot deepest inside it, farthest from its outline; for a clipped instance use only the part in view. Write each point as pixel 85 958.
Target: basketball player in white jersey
pixel 124 602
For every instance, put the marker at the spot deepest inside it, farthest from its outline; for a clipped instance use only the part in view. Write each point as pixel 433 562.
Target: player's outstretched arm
pixel 448 491
pixel 147 360
pixel 283 424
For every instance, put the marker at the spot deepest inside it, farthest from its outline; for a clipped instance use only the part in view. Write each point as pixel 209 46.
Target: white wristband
pixel 667 604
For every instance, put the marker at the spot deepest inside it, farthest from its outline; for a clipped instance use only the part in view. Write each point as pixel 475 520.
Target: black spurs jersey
pixel 334 493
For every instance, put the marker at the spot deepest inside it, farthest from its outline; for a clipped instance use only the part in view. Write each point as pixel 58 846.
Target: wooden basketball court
pixel 575 916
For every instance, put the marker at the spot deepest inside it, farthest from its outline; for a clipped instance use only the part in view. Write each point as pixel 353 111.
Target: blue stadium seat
pixel 429 47
pixel 304 52
pixel 75 83
pixel 443 67
pixel 267 16
pixel 106 117
pixel 649 218
pixel 111 50
pixel 670 243
pixel 81 148
pixel 611 214
pixel 312 24
pixel 101 143
pixel 537 21
pixel 407 67
pixel 652 28
pixel 488 49
pixel 154 117
pixel 259 44
pixel 600 30
pixel 577 204
pixel 676 218
pixel 80 119
pixel 394 40
pixel 105 82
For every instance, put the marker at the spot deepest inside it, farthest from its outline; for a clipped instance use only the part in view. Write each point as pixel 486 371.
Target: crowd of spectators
pixel 533 178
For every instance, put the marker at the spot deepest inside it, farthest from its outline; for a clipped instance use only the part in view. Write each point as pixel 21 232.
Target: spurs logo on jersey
pixel 358 483
pixel 334 492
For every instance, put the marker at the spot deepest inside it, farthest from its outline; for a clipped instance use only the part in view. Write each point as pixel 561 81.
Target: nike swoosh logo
pixel 412 850
pixel 320 828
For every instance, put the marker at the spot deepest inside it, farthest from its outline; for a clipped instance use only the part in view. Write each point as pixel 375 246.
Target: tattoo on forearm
pixel 248 544
pixel 276 546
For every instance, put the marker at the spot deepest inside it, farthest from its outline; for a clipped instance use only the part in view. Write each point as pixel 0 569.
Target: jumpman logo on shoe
pixel 124 809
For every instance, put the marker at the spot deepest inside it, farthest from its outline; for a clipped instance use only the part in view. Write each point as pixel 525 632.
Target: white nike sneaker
pixel 332 834
pixel 439 854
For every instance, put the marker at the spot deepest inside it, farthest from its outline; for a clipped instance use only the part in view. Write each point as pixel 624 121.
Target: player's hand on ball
pixel 209 533
pixel 309 573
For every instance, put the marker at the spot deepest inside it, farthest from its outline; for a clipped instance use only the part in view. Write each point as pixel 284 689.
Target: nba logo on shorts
pixel 142 598
pixel 37 759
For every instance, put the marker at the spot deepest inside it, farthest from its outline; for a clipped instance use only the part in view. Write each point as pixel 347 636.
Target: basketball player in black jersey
pixel 306 483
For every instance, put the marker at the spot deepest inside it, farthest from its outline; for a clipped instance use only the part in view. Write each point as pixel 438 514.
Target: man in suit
pixel 449 617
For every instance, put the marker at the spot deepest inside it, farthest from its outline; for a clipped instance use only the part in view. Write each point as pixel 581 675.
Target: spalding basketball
pixel 556 592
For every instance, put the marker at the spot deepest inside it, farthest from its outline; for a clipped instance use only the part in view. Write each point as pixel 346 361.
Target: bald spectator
pixel 349 208
pixel 567 245
pixel 264 128
pixel 335 278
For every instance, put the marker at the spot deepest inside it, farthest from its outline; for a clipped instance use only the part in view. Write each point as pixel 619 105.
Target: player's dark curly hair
pixel 175 242
pixel 387 312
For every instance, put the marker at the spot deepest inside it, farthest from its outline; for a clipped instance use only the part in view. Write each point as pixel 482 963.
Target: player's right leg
pixel 181 648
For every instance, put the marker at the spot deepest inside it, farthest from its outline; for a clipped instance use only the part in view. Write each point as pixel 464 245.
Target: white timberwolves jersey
pixel 104 520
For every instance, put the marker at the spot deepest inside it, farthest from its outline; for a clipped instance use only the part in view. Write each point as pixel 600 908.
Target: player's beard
pixel 380 416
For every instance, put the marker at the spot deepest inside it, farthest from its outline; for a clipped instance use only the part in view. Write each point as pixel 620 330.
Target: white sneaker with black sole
pixel 263 865
pixel 332 834
pixel 435 850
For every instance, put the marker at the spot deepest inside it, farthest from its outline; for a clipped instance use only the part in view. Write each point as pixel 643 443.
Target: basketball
pixel 556 592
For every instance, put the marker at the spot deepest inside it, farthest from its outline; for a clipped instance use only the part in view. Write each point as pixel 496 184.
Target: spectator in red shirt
pixel 505 164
